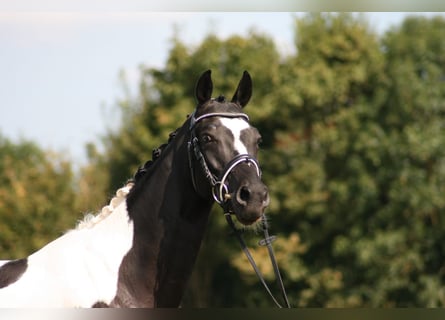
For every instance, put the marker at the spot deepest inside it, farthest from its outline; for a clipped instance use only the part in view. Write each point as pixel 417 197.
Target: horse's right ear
pixel 204 88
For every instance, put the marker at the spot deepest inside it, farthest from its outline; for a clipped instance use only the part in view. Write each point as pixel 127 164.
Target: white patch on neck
pixel 79 268
pixel 236 125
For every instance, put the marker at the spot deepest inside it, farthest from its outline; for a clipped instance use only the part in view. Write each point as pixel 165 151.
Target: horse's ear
pixel 244 91
pixel 204 87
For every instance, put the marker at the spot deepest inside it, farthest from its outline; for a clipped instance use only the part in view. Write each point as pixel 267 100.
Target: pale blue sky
pixel 59 71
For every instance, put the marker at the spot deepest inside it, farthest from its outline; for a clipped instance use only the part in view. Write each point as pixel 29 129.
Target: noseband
pixel 221 194
pixel 220 188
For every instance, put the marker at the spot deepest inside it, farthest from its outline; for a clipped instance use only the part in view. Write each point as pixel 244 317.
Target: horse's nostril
pixel 243 195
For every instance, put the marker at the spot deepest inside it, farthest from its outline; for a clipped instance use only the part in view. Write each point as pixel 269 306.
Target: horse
pixel 140 249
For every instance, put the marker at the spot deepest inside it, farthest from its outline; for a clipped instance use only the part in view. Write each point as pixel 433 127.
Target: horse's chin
pixel 247 217
pixel 248 221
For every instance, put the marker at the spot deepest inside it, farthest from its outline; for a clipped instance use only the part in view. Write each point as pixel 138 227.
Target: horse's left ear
pixel 204 87
pixel 244 91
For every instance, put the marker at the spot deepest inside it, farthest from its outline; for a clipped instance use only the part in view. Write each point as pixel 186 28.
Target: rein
pixel 221 195
pixel 267 241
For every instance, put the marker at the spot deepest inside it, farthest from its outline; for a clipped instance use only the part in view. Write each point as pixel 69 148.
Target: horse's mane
pixel 155 155
pixel 90 220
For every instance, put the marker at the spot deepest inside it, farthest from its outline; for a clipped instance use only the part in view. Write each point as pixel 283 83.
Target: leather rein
pixel 221 195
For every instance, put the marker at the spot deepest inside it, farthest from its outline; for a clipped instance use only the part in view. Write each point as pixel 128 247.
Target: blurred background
pixel 351 108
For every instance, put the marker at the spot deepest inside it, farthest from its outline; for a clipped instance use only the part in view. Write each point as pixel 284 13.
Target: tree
pixel 363 169
pixel 36 198
pixel 411 215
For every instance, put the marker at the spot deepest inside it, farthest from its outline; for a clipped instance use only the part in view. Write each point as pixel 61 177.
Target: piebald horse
pixel 140 249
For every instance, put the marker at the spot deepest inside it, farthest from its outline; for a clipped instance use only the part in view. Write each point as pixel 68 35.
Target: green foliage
pixel 365 166
pixel 36 197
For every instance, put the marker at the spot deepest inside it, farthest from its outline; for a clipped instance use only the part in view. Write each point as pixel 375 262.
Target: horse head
pixel 226 146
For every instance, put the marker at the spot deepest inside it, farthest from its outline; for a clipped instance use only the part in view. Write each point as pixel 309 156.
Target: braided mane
pixel 90 220
pixel 156 153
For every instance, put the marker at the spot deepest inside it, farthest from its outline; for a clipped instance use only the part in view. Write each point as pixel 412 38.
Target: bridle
pixel 220 189
pixel 221 194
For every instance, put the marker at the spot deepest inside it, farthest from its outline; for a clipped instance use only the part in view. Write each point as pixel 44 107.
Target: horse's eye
pixel 206 138
pixel 259 141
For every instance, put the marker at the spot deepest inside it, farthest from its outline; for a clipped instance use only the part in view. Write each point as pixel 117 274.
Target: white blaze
pixel 236 125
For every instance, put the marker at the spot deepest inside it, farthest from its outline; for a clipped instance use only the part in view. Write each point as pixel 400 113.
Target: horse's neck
pixel 169 223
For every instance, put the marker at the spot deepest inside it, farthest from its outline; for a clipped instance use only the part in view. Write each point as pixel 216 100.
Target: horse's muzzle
pixel 250 201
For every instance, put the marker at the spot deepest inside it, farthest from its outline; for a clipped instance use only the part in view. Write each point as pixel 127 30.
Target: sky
pixel 59 71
